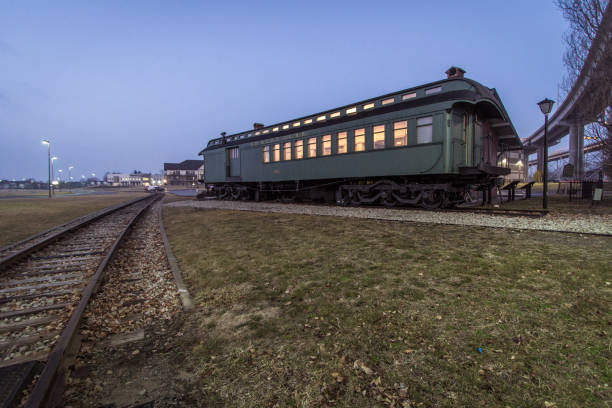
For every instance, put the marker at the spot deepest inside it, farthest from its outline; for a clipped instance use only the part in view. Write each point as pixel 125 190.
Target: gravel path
pixel 598 224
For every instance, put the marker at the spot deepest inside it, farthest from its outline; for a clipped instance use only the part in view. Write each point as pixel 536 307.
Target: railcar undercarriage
pixel 387 192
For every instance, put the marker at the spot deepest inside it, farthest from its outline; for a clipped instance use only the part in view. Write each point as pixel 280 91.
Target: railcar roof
pixel 411 97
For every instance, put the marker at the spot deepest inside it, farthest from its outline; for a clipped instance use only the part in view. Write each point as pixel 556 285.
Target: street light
pixel 545 106
pixel 53 172
pixel 48 143
pixel 59 177
pixel 70 178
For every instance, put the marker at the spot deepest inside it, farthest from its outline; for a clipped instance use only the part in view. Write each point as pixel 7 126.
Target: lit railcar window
pixel 351 111
pixel 388 101
pixel 296 124
pixel 266 154
pixel 266 131
pixel 433 90
pixel 276 152
pixel 326 145
pixel 307 121
pixel 408 96
pixel 287 151
pixel 312 147
pixel 299 149
pixel 334 115
pixel 379 137
pixel 257 133
pixel 341 142
pixel 400 133
pixel 424 129
pixel 285 126
pixel 321 118
pixel 275 129
pixel 368 106
pixel 359 140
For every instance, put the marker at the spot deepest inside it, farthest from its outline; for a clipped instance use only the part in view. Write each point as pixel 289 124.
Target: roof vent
pixel 455 73
pixel 257 126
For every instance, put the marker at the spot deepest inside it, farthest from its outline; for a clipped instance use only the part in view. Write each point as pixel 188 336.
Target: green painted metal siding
pixel 413 159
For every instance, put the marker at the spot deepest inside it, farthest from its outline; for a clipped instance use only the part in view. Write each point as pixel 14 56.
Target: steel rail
pixel 87 219
pixel 48 389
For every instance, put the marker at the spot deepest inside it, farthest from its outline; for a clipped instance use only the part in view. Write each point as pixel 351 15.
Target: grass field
pixel 22 217
pixel 319 311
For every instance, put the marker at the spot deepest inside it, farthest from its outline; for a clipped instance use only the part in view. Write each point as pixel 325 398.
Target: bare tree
pixel 589 53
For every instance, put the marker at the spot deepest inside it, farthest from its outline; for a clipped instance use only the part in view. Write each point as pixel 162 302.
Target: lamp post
pixel 52 172
pixel 48 143
pixel 70 178
pixel 545 106
pixel 59 177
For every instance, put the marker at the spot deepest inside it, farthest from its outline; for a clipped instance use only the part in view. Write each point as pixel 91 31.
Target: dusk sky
pixel 125 85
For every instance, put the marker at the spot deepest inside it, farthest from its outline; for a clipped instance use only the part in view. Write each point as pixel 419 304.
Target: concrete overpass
pixel 564 154
pixel 565 120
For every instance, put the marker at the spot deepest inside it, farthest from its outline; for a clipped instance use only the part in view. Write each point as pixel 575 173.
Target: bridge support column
pixel 541 160
pixel 576 149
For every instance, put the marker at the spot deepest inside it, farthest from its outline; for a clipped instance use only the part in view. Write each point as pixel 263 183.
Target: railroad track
pixel 45 284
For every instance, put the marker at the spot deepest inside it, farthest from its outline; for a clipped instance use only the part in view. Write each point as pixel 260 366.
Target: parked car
pixel 153 189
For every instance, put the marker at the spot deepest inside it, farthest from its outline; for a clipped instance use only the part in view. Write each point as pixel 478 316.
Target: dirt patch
pixel 231 323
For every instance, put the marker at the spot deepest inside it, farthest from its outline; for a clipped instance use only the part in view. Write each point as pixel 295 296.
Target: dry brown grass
pixel 22 217
pixel 372 313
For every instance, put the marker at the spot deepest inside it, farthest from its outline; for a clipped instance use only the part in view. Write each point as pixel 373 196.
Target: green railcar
pixel 428 145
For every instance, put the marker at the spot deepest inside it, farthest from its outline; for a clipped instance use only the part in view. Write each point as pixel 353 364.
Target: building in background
pixel 135 179
pixel 516 161
pixel 188 172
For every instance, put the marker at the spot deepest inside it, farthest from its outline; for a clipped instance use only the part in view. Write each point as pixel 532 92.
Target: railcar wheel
pixel 342 198
pixel 432 199
pixel 389 201
pixel 355 200
pixel 235 194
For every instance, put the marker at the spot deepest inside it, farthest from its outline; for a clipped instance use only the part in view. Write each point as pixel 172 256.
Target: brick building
pixel 188 172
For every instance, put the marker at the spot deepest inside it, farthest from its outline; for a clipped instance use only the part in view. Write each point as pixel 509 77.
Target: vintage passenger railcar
pixel 427 146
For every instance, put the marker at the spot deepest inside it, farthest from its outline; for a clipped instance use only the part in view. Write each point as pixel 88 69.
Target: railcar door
pixel 232 163
pixel 462 141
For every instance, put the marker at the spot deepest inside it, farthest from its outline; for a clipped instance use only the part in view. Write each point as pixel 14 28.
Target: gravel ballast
pixel 590 224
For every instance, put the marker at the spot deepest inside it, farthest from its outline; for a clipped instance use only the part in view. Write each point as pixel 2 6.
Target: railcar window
pixel 307 121
pixel 326 145
pixel 388 101
pixel 296 124
pixel 275 129
pixel 287 151
pixel 341 142
pixel 299 149
pixel 368 106
pixel 351 111
pixel 424 129
pixel 285 126
pixel 359 140
pixel 379 137
pixel 266 154
pixel 266 131
pixel 276 152
pixel 400 133
pixel 408 96
pixel 334 115
pixel 433 90
pixel 312 147
pixel 321 118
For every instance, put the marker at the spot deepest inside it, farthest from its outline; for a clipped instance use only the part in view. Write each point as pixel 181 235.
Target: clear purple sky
pixel 124 85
